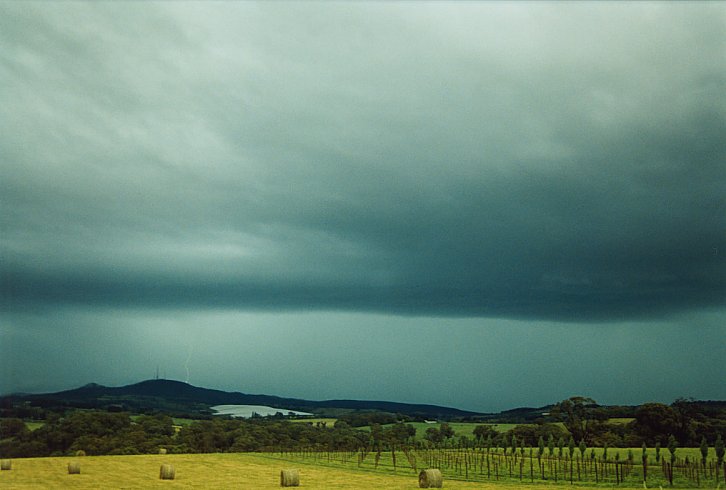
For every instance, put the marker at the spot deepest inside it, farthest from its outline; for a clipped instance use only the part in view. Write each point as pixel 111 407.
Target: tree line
pixel 98 432
pixel 573 423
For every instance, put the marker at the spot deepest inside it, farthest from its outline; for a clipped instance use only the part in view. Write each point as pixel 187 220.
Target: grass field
pixel 34 425
pixel 254 471
pixel 460 428
pixel 469 465
pixel 212 471
pixel 327 420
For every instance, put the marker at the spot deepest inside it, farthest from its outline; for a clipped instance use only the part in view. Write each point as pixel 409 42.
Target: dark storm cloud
pixel 558 161
pixel 474 363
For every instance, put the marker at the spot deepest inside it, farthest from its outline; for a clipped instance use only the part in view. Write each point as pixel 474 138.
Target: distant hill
pixel 182 398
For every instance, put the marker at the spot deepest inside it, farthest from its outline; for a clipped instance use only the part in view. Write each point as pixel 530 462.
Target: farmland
pixel 460 428
pixel 372 449
pixel 623 467
pixel 196 471
pixel 319 469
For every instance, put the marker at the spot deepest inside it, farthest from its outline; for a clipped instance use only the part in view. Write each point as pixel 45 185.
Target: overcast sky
pixel 480 205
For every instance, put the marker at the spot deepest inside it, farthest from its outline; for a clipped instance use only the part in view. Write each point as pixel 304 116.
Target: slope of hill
pixel 182 398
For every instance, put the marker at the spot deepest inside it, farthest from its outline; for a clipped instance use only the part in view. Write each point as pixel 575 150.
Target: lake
pixel 246 411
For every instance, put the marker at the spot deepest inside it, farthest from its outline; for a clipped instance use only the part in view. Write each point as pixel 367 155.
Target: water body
pixel 246 411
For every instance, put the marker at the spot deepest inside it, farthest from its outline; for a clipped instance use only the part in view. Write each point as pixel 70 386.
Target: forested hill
pixel 177 397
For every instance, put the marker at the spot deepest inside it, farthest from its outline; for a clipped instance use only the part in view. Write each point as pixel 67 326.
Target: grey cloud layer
pixel 554 160
pixel 473 362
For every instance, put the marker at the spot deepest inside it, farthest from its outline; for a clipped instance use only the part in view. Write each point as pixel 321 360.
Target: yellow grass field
pixel 212 471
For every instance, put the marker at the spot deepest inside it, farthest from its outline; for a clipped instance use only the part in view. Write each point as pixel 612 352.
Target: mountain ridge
pixel 164 394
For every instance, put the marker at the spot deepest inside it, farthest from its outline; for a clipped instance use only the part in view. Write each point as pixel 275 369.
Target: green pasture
pixel 692 453
pixel 484 468
pixel 34 425
pixel 329 422
pixel 460 428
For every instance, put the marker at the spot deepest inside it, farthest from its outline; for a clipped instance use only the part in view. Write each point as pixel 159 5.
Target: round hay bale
pixel 290 478
pixel 430 479
pixel 167 472
pixel 80 453
pixel 74 468
pixel 6 464
pixel 162 450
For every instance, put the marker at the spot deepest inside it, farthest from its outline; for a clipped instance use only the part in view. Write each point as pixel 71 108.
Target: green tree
pixel 654 421
pixel 578 414
pixel 672 446
pixel 686 411
pixel 657 452
pixel 551 445
pixel 704 451
pixel 530 433
pixel 12 427
pixel 583 448
pixel 157 425
pixel 644 458
pixel 400 434
pixel 446 431
pixel 541 450
pixel 718 446
pixel 571 446
pixel 481 432
pixel 434 436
